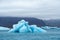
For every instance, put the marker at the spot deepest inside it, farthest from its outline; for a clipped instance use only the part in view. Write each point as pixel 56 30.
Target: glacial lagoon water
pixel 52 34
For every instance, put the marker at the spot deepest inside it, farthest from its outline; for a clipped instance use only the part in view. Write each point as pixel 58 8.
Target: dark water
pixel 52 34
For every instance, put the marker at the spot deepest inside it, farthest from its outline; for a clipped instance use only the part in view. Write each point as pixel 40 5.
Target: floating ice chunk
pixel 46 27
pixel 24 27
pixel 4 28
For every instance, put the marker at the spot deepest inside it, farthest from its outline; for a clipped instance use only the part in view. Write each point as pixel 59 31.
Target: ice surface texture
pixel 23 27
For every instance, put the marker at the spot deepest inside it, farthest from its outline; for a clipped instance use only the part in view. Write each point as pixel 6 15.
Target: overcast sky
pixel 44 9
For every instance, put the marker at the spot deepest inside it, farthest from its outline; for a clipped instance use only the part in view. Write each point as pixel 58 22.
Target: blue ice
pixel 37 29
pixel 4 28
pixel 23 27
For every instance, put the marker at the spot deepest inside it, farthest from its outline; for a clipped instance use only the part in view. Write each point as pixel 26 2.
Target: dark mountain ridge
pixel 9 21
pixel 53 22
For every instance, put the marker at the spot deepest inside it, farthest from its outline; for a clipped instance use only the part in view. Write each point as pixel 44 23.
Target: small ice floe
pixel 46 27
pixel 23 27
pixel 53 27
pixel 49 27
pixel 4 28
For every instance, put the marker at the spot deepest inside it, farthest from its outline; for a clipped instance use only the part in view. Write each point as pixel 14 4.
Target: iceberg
pixel 23 27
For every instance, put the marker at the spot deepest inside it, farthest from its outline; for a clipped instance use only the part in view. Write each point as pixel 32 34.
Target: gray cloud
pixel 45 9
